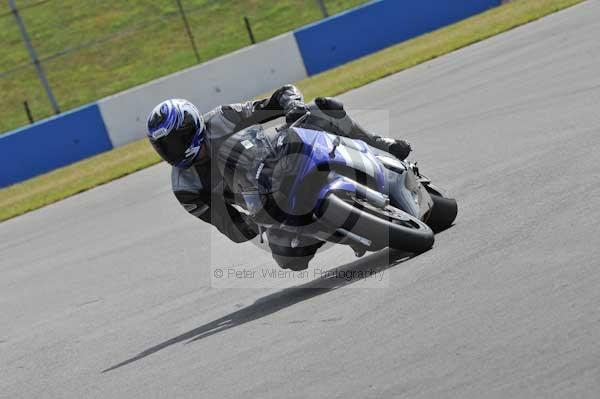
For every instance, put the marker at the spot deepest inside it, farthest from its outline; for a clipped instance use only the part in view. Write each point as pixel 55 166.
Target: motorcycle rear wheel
pixel 444 210
pixel 443 213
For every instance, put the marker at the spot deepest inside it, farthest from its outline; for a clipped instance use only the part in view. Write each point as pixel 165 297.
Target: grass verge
pixel 56 185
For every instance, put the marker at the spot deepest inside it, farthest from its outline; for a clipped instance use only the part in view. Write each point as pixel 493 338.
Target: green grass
pixel 56 185
pixel 150 42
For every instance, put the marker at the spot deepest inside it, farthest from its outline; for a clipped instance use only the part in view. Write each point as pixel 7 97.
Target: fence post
pixel 321 4
pixel 33 56
pixel 28 111
pixel 249 29
pixel 188 30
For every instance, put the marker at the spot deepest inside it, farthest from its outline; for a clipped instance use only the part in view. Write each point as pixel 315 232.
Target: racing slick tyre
pixel 383 227
pixel 444 210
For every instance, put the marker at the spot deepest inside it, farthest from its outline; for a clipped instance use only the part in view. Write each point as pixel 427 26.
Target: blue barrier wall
pixel 52 143
pixel 376 25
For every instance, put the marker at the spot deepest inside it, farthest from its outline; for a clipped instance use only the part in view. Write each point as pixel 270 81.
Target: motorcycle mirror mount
pixel 336 143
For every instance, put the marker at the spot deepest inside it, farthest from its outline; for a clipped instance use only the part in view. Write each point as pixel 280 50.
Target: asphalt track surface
pixel 108 294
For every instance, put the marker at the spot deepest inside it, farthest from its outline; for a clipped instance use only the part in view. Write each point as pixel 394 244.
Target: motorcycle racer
pixel 189 141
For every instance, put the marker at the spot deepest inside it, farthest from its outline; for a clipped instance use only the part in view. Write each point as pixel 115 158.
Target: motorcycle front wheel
pixel 383 227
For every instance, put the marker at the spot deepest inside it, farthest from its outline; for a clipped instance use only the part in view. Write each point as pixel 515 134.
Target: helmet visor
pixel 172 148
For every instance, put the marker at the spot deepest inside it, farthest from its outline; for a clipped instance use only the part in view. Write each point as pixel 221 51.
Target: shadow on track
pixel 272 303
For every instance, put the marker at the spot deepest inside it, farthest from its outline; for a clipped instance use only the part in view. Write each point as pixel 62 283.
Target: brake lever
pixel 300 120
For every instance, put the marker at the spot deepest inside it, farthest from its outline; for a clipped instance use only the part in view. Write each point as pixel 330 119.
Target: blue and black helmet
pixel 176 131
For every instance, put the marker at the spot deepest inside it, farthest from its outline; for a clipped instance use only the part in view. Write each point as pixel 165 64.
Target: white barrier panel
pixel 235 77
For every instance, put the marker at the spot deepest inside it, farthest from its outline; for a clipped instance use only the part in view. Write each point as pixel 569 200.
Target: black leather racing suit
pixel 199 188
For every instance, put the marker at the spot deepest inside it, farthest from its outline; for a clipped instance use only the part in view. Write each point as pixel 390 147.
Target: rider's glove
pixel 295 113
pixel 400 149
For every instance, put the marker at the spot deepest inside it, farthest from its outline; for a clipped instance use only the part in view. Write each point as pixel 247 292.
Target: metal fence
pixel 58 54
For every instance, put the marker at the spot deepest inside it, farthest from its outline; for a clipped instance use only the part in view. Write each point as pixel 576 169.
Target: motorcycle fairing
pixel 321 152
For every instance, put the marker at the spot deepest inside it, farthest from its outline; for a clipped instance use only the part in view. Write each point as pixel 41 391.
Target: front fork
pixel 340 183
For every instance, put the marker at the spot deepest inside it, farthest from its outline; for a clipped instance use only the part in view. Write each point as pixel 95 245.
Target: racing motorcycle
pixel 313 184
